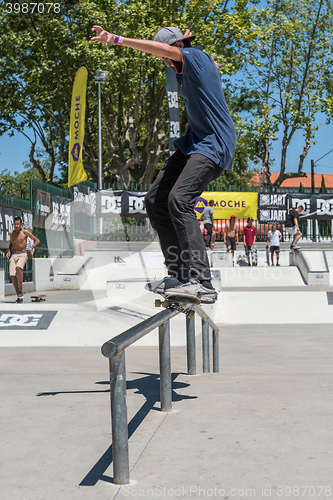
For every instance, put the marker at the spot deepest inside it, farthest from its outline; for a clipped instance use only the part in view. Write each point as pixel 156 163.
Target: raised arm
pixel 161 50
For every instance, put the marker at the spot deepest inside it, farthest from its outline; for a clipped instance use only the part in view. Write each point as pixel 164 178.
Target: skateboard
pixel 267 255
pixel 254 256
pixel 179 303
pixel 38 298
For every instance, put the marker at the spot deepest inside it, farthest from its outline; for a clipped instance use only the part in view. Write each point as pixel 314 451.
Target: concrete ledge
pixel 28 287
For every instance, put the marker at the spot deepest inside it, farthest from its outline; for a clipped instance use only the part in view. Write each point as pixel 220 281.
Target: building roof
pixel 295 181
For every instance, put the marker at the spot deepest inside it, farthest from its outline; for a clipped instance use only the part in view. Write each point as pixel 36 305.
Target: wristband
pixel 118 40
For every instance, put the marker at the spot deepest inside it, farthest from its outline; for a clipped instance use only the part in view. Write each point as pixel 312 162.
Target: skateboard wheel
pixel 166 303
pixel 190 314
pixel 157 303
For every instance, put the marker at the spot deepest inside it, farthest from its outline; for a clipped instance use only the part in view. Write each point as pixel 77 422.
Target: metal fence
pixel 27 271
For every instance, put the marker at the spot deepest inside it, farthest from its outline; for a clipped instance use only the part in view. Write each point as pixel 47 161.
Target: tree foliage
pixel 40 54
pixel 289 61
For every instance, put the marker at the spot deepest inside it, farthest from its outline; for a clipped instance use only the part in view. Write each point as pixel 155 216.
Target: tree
pixel 17 184
pixel 40 54
pixel 289 60
pixel 323 189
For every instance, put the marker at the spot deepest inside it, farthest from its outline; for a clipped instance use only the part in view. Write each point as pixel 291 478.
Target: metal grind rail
pixel 114 349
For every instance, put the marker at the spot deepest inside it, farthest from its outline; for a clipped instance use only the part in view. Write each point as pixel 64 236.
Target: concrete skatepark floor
pixel 259 427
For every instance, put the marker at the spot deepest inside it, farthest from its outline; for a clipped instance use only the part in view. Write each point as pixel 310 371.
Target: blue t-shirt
pixel 211 130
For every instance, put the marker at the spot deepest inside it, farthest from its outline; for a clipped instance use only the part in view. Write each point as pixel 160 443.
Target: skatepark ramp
pixel 114 349
pixel 70 274
pixel 312 265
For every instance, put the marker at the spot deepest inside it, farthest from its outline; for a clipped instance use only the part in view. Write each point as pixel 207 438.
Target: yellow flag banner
pixel 76 172
pixel 242 205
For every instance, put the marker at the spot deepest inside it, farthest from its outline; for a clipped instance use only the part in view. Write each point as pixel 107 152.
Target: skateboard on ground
pixel 38 298
pixel 179 303
pixel 254 256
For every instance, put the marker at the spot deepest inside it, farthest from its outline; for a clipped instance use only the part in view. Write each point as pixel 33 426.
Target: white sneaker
pixel 193 288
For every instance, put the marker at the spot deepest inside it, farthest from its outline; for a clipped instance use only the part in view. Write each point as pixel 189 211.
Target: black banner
pixel 316 206
pixel 121 204
pixel 172 95
pixel 7 215
pixel 60 218
pixel 84 200
pixel 272 208
pixel 51 212
pixel 42 207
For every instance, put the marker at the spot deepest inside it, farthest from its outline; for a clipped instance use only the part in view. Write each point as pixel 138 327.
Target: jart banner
pixel 76 171
pixel 242 205
pixel 272 208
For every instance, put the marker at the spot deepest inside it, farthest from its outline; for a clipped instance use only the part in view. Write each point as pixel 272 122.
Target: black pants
pixel 170 203
pixel 209 229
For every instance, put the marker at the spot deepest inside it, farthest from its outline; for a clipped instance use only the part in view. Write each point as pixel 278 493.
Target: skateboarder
pixel 292 227
pixel 249 238
pixel 18 255
pixel 208 218
pixel 202 154
pixel 273 241
pixel 231 235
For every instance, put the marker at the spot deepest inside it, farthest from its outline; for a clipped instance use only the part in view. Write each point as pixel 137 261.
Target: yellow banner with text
pixel 241 205
pixel 76 172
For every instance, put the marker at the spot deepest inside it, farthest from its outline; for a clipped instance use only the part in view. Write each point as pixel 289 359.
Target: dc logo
pixel 18 320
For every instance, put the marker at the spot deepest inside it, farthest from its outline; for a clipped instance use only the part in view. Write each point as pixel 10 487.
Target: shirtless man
pixel 18 255
pixel 231 235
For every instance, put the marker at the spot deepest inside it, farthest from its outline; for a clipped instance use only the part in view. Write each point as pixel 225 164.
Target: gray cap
pixel 171 35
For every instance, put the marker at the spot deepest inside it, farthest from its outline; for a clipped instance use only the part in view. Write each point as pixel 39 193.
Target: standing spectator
pixel 231 235
pixel 292 227
pixel 208 218
pixel 249 238
pixel 273 240
pixel 18 255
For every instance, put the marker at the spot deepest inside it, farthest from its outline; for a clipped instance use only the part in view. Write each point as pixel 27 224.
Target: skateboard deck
pixel 38 298
pixel 267 256
pixel 254 257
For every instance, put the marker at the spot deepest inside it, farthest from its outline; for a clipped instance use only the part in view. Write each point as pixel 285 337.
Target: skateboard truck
pixel 178 306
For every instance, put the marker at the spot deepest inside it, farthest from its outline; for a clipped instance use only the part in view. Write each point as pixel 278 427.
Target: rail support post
pixel 216 367
pixel 165 367
pixel 119 419
pixel 205 346
pixel 190 343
